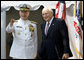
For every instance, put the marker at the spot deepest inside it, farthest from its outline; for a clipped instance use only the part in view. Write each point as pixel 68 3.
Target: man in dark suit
pixel 55 41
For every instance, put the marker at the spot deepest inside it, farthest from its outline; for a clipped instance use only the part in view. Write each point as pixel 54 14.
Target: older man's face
pixel 47 15
pixel 24 15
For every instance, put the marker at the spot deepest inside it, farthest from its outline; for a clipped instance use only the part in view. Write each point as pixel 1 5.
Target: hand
pixel 11 22
pixel 34 56
pixel 65 56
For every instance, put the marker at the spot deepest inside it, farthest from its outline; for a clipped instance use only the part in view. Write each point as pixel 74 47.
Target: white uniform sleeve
pixel 10 29
pixel 35 41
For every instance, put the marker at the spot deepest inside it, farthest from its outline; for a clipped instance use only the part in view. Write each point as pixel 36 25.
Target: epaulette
pixel 16 20
pixel 33 22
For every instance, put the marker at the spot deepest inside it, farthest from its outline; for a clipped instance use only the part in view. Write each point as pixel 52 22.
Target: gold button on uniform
pixel 18 33
pixel 25 40
pixel 24 23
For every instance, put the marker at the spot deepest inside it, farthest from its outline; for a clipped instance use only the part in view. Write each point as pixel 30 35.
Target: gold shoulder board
pixel 34 22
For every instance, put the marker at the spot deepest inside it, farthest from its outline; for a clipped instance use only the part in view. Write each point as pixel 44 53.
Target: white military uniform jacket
pixel 24 41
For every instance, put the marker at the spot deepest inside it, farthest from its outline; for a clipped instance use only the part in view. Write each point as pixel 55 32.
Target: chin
pixel 24 18
pixel 46 20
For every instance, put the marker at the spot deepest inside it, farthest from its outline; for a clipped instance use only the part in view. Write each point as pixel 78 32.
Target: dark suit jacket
pixel 56 42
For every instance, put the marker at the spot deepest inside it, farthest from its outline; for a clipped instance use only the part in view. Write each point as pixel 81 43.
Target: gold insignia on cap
pixel 24 9
pixel 24 5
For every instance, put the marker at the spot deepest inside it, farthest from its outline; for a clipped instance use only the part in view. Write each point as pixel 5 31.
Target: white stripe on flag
pixel 61 8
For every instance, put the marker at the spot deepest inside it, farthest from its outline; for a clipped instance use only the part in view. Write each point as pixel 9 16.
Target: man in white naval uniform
pixel 24 44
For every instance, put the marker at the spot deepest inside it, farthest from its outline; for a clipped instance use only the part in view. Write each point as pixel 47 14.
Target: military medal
pixel 31 29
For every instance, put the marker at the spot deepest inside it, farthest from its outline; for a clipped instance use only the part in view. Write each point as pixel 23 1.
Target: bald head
pixel 47 13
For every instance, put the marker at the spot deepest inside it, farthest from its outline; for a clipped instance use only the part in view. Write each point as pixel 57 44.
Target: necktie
pixel 47 28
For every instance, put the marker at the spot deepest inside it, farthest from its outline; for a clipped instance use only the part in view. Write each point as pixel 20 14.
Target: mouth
pixel 46 18
pixel 24 16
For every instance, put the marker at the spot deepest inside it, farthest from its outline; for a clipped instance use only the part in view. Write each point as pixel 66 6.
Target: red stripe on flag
pixel 57 7
pixel 64 12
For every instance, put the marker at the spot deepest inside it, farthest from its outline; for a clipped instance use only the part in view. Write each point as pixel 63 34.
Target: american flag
pixel 60 11
pixel 74 27
pixel 78 30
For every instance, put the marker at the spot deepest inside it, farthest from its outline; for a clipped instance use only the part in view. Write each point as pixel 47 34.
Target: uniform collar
pixel 24 21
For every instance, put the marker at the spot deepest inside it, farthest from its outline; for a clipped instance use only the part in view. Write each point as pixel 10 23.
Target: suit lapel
pixel 44 28
pixel 51 27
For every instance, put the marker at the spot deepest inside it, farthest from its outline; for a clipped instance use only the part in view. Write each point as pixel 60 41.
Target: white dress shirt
pixel 49 24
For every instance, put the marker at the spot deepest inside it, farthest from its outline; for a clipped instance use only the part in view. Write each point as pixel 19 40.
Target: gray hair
pixel 47 8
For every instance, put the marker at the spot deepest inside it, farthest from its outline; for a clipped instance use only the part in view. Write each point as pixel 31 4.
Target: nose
pixel 44 15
